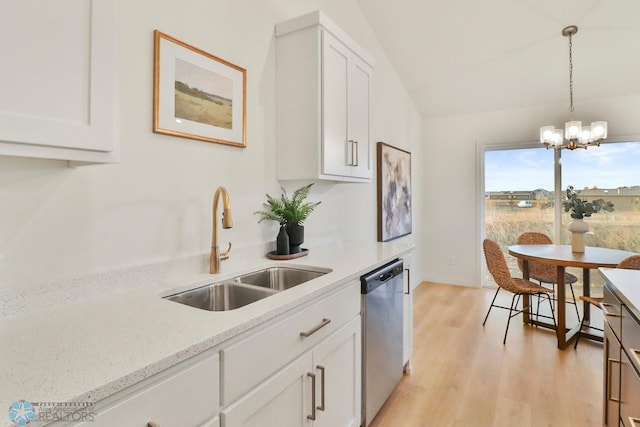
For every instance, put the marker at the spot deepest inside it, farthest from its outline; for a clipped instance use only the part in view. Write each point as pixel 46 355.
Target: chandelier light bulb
pixel 599 130
pixel 586 136
pixel 573 129
pixel 546 134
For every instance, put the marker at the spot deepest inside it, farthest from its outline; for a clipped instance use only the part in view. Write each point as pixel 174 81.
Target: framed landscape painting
pixel 394 192
pixel 197 95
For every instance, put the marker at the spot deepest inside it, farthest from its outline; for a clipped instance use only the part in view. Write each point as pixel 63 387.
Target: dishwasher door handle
pixel 384 278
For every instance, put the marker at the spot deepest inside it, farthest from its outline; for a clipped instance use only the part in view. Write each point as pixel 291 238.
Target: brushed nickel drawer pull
pixel 611 361
pixel 321 369
pixel 312 417
pixel 607 312
pixel 357 153
pixel 633 421
pixel 152 424
pixel 350 144
pixel 310 332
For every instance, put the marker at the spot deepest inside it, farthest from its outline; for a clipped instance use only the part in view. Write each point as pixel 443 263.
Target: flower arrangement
pixel 288 210
pixel 581 208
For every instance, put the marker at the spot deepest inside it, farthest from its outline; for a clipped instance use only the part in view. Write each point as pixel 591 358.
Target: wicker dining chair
pixel 546 273
pixel 629 263
pixel 498 268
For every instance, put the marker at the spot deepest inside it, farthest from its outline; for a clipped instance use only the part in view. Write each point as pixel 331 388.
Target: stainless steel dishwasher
pixel 382 312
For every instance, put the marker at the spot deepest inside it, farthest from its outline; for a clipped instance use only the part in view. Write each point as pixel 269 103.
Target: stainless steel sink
pixel 279 278
pixel 221 296
pixel 245 289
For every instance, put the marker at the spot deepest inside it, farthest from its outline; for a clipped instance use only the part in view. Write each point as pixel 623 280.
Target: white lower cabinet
pixel 188 395
pixel 337 365
pixel 302 368
pixel 407 321
pixel 320 388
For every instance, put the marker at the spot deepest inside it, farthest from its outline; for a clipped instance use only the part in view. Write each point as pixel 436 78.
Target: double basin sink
pixel 247 288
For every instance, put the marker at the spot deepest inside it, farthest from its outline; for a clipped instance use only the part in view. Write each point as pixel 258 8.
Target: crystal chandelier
pixel 576 135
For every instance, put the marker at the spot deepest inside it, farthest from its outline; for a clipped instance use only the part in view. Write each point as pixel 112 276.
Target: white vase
pixel 578 227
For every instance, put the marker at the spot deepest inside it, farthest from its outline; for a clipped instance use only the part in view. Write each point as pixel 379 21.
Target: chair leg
pixel 491 306
pixel 575 304
pixel 553 316
pixel 513 301
pixel 575 345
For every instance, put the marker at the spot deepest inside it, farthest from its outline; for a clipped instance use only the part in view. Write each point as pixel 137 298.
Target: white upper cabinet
pixel 323 102
pixel 58 80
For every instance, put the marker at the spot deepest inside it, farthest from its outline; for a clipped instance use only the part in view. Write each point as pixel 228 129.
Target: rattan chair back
pixel 498 267
pixel 536 269
pixel 630 263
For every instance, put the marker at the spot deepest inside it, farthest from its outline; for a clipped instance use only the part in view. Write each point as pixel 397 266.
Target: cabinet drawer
pixel 629 393
pixel 612 310
pixel 631 337
pixel 187 397
pixel 254 359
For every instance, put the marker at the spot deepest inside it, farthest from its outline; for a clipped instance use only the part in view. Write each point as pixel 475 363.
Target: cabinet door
pixel 68 111
pixel 336 149
pixel 284 400
pixel 337 364
pixel 629 391
pixel 359 116
pixel 187 397
pixel 611 410
pixel 407 320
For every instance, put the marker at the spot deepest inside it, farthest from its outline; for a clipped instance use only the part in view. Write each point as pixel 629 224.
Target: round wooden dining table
pixel 561 256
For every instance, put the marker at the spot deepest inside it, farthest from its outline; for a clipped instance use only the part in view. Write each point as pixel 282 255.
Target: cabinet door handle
pixel 636 355
pixel 152 424
pixel 350 143
pixel 321 369
pixel 312 417
pixel 633 422
pixel 408 270
pixel 310 332
pixel 607 312
pixel 356 150
pixel 611 361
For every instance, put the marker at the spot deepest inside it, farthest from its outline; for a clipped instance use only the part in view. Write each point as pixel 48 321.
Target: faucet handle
pixel 225 254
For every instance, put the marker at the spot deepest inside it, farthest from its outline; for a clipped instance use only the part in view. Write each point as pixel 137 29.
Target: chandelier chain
pixel 570 75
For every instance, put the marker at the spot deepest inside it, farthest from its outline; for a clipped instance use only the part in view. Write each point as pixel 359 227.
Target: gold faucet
pixel 227 222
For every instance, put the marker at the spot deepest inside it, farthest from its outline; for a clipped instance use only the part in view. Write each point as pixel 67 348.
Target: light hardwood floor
pixel 464 376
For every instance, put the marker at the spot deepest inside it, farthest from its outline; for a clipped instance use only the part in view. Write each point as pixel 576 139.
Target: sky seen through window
pixel 608 166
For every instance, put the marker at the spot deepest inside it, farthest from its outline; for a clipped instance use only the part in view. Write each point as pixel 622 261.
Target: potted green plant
pixel 579 210
pixel 290 212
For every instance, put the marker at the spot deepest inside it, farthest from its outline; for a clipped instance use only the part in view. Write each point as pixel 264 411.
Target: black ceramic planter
pixel 282 242
pixel 296 238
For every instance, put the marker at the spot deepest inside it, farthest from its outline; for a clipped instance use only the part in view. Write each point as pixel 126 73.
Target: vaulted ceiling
pixel 463 56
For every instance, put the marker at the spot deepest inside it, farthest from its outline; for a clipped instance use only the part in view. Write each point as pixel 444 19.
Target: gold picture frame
pixel 197 95
pixel 394 192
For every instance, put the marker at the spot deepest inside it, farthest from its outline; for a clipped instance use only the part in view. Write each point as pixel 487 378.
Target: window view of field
pixel 519 197
pixel 203 96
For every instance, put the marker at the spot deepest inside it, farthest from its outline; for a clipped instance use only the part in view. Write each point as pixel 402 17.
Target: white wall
pixel 451 174
pixel 156 204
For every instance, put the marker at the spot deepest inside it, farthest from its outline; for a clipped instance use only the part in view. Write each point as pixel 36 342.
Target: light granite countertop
pixel 84 349
pixel 625 284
